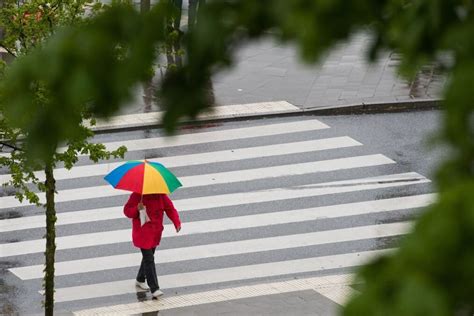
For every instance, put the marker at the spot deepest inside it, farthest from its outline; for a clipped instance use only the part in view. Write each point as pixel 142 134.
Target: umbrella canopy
pixel 144 177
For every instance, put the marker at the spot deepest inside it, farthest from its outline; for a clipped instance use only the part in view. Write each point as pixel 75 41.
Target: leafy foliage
pixel 432 273
pixel 27 25
pixel 99 65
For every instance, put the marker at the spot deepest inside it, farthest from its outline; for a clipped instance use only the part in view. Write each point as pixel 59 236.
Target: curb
pixel 383 107
pixel 364 108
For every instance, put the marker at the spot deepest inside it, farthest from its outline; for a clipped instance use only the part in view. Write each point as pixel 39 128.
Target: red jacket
pixel 149 235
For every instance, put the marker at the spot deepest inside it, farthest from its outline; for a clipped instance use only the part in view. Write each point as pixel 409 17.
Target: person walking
pixel 146 233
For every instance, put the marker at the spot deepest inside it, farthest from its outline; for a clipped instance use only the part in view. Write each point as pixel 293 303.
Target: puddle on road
pixel 8 292
pixel 10 214
pixel 141 296
pixel 387 242
pixel 7 191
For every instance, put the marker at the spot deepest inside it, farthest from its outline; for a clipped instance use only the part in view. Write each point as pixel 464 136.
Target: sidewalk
pixel 267 71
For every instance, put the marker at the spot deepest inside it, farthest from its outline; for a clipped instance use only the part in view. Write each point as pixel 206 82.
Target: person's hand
pixel 178 229
pixel 141 206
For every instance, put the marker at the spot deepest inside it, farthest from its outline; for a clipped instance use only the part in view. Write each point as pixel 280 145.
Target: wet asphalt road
pixel 402 137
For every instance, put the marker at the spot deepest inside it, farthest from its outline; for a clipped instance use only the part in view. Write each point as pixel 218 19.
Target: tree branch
pixel 10 146
pixel 7 50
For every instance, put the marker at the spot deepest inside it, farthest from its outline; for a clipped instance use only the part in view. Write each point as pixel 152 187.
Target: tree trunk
pixel 145 6
pixel 50 185
pixel 192 10
pixel 1 31
pixel 193 17
pixel 177 27
pixel 173 47
pixel 210 97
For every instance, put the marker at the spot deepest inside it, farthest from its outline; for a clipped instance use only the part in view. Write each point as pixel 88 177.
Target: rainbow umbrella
pixel 143 177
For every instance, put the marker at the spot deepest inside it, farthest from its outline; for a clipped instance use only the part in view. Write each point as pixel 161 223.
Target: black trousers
pixel 147 269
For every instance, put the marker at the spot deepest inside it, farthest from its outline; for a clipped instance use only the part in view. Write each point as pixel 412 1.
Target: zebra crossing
pixel 265 200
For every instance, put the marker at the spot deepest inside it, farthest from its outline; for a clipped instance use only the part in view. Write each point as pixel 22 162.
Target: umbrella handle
pixel 141 198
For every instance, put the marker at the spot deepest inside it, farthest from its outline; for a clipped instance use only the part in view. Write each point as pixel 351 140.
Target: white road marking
pixel 219 135
pixel 101 169
pixel 318 189
pixel 289 267
pixel 219 249
pixel 215 136
pixel 218 178
pixel 223 224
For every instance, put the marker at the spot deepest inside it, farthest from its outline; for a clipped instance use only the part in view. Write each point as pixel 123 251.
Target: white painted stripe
pixel 207 158
pixel 287 170
pixel 216 136
pixel 240 273
pixel 223 200
pixel 324 283
pixel 220 135
pixel 224 224
pixel 64 218
pixel 318 189
pixel 219 249
pixel 219 178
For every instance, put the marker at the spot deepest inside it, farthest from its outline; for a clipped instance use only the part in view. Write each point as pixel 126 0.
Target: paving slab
pixel 306 302
pixel 345 68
